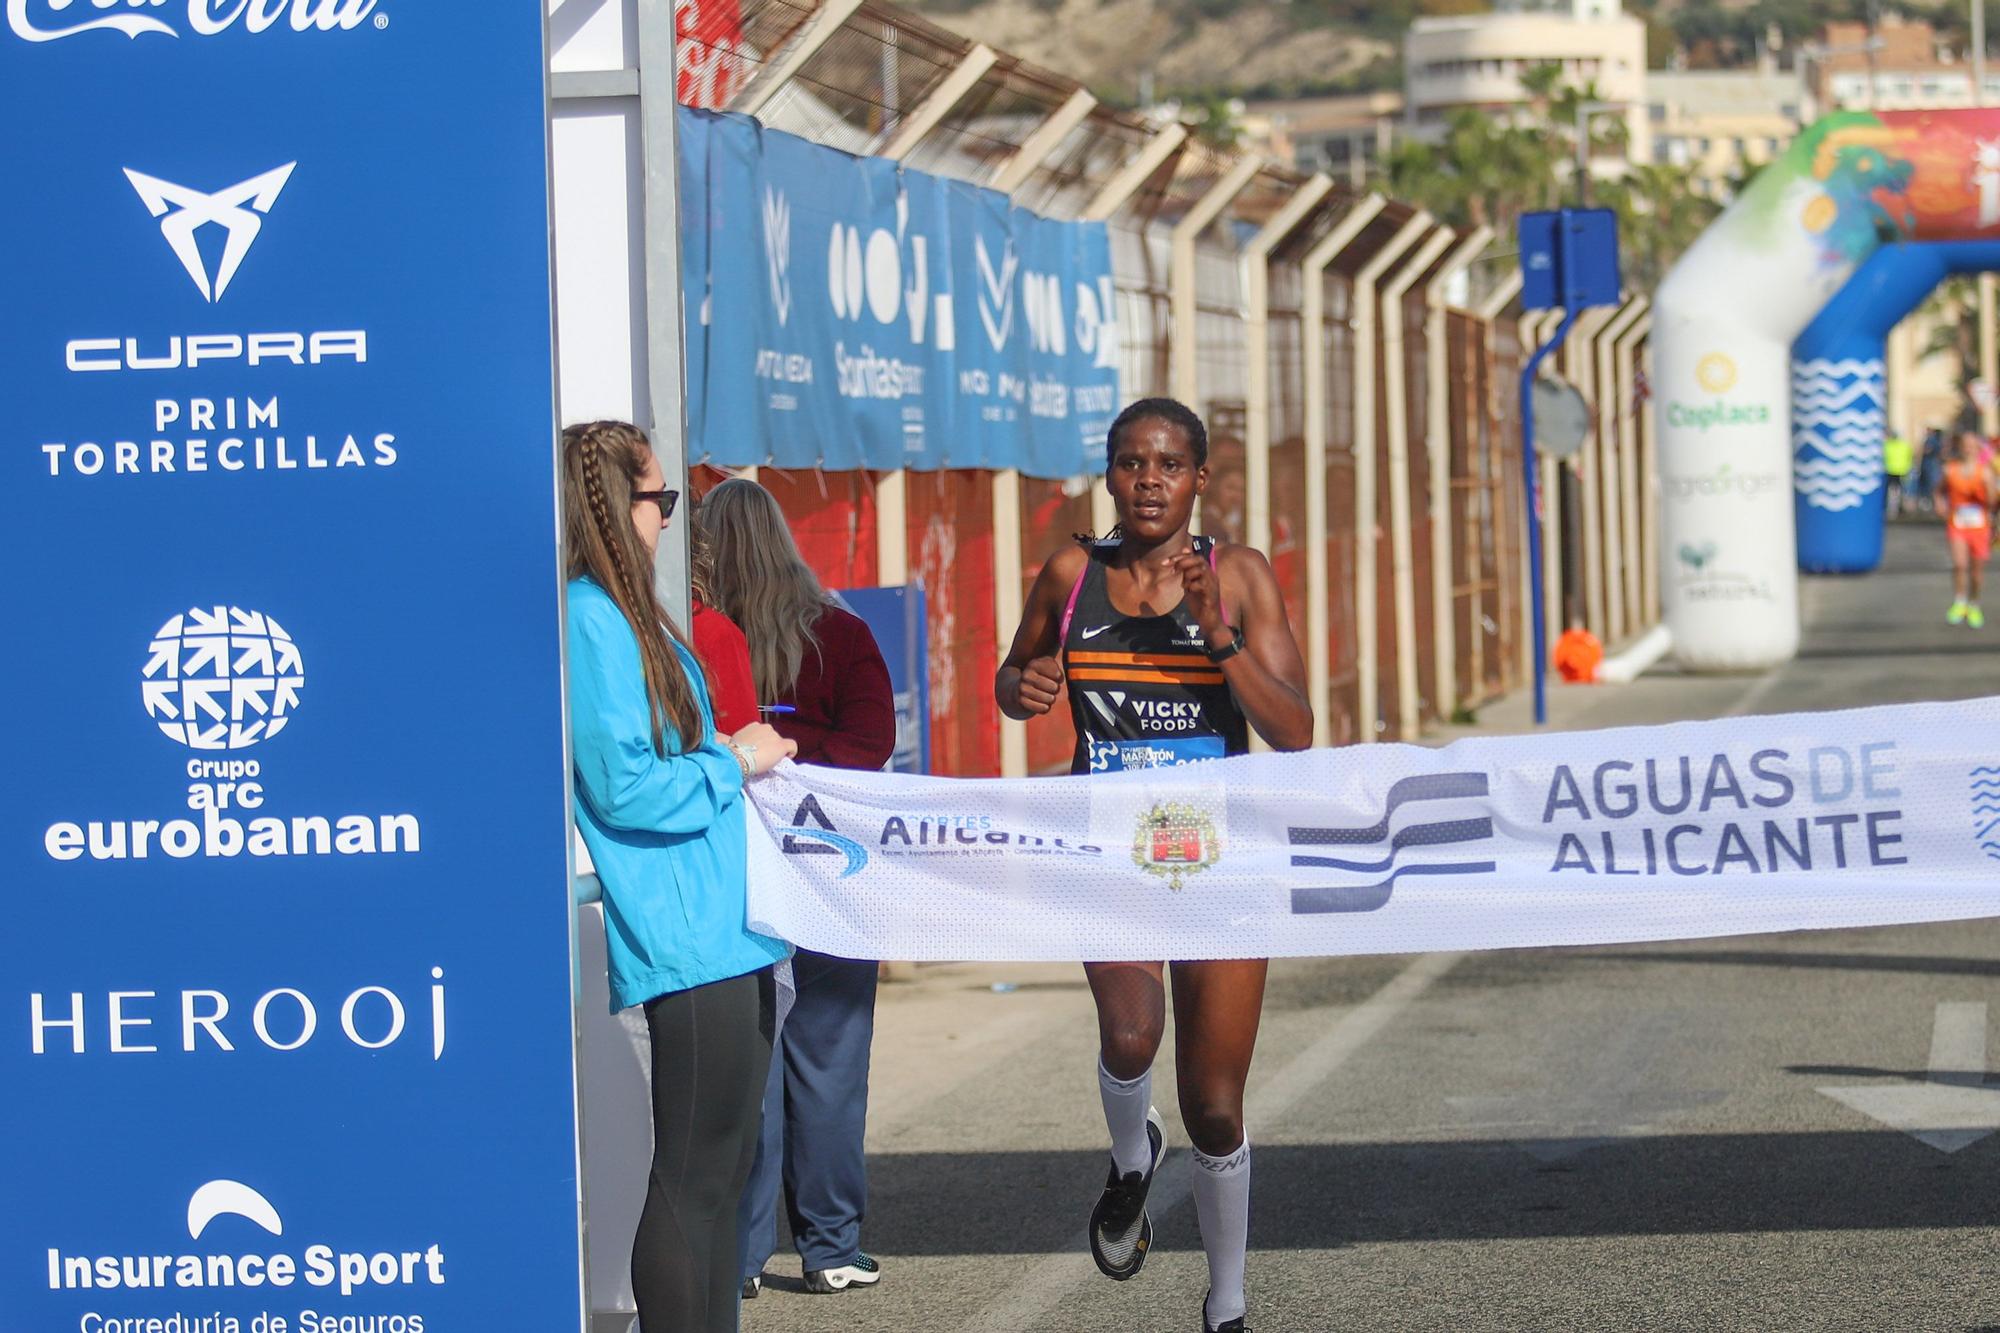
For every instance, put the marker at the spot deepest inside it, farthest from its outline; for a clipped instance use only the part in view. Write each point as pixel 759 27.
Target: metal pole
pixel 1979 52
pixel 666 393
pixel 1535 511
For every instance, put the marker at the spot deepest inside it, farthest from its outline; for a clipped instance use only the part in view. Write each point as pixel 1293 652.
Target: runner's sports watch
pixel 1228 650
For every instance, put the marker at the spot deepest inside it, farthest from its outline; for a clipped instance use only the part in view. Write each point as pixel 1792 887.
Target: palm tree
pixel 1481 171
pixel 1953 314
pixel 1659 215
pixel 1542 83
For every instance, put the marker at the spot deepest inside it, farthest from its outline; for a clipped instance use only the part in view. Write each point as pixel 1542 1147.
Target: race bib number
pixel 1117 756
pixel 1969 516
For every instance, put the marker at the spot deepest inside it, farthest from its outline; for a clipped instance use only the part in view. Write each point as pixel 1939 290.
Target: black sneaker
pixel 751 1286
pixel 1121 1231
pixel 863 1272
pixel 1235 1325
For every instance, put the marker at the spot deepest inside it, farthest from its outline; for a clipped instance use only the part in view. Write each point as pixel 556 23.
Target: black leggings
pixel 711 1052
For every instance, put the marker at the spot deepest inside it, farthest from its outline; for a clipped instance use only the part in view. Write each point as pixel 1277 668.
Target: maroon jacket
pixel 846 714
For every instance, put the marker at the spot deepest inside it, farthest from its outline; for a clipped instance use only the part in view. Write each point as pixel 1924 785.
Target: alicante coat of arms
pixel 1175 840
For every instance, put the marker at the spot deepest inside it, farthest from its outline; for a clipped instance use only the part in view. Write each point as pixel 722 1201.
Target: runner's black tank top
pixel 1142 691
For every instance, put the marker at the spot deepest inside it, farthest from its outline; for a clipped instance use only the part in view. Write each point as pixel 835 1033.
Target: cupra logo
pixel 237 209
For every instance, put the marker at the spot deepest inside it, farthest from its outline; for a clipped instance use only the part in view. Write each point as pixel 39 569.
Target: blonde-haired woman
pixel 658 800
pixel 819 664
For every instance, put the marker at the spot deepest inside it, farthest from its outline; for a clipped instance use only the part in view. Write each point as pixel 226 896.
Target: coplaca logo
pixel 222 678
pixel 1715 373
pixel 51 21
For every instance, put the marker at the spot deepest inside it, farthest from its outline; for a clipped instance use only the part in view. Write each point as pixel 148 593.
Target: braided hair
pixel 600 462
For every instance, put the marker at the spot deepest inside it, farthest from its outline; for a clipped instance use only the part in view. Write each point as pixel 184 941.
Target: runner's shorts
pixel 1978 542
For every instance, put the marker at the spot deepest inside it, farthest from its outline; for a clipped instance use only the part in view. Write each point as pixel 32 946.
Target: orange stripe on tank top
pixel 1135 676
pixel 1183 660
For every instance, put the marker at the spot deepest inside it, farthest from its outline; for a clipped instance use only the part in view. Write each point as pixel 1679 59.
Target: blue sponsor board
pixel 895 616
pixel 284 990
pixel 847 313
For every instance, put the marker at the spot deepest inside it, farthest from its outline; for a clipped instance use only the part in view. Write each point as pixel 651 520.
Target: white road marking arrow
pixel 1953 1107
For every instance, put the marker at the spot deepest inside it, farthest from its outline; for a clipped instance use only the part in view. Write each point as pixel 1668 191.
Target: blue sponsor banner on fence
pixel 284 984
pixel 847 312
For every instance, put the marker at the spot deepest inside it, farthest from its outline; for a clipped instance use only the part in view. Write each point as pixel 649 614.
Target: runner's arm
pixel 1035 639
pixel 1268 677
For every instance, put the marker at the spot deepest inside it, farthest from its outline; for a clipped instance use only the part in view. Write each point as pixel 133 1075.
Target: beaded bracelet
pixel 742 759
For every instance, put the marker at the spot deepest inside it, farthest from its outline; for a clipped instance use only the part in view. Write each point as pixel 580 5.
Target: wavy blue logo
pixel 1986 809
pixel 819 838
pixel 1390 863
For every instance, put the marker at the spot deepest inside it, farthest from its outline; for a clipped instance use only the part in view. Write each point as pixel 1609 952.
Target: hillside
pixel 1189 46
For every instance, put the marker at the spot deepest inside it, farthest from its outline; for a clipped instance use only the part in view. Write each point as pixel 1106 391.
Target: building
pixel 1345 136
pixel 1722 124
pixel 1904 66
pixel 1478 60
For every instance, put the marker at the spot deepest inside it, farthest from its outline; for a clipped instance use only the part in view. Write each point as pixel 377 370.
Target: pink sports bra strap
pixel 1076 589
pixel 1069 607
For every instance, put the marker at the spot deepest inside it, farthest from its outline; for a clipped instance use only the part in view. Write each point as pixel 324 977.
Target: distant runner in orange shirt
pixel 1965 498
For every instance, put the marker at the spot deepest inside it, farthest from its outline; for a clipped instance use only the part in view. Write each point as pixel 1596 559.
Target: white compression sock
pixel 1222 1204
pixel 1125 1108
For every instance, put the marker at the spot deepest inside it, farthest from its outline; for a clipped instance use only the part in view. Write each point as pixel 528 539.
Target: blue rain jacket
pixel 666 833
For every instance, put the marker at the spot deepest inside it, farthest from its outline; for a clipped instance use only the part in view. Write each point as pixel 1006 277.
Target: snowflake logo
pixel 222 678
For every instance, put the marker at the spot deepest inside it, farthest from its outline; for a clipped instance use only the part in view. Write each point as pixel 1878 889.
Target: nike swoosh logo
pixel 1093 633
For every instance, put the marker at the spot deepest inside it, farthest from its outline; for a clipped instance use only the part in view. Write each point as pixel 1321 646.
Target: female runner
pixel 1965 498
pixel 1152 615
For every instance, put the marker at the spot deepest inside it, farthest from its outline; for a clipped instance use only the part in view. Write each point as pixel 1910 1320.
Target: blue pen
pixel 776 708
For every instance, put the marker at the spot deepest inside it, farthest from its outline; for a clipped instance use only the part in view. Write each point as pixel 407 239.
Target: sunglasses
pixel 666 500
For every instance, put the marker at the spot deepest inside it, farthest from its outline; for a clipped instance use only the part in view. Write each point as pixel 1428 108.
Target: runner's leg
pixel 1131 1020
pixel 1217 1007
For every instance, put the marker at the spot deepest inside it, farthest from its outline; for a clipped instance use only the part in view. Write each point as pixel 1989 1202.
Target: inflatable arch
pixel 1725 321
pixel 1839 391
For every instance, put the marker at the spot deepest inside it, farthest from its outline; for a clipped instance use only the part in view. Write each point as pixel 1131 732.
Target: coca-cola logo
pixel 52 20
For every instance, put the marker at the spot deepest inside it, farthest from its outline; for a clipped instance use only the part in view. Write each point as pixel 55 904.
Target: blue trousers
pixel 815 1115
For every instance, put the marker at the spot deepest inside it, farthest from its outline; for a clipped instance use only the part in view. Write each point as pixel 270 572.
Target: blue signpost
pixel 1569 260
pixel 285 1025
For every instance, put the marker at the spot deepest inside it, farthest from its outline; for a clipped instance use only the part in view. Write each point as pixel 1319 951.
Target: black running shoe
pixel 862 1272
pixel 751 1286
pixel 1235 1325
pixel 1120 1230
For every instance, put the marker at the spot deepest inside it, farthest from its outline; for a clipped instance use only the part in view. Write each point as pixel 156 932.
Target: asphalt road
pixel 1610 1138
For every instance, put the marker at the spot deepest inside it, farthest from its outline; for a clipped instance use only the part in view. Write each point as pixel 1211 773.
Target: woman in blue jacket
pixel 659 798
